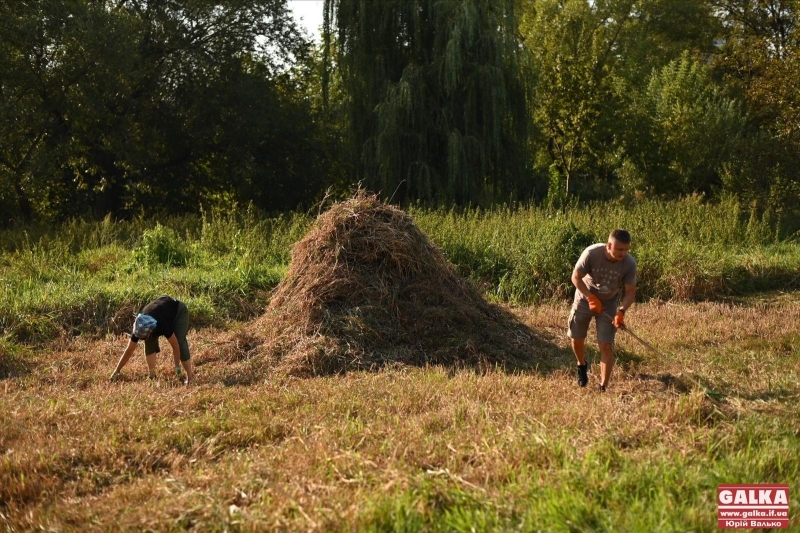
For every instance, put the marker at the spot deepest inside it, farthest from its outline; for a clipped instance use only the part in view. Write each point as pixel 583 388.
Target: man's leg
pixel 579 319
pixel 606 363
pixel 579 347
pixel 606 333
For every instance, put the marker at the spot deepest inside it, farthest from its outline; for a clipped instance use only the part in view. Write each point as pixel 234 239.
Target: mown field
pixel 402 448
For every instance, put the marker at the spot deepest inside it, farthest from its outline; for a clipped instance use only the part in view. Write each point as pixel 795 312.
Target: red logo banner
pixel 753 506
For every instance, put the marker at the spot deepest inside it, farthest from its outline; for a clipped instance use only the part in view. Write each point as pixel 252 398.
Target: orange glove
pixel 619 319
pixel 595 306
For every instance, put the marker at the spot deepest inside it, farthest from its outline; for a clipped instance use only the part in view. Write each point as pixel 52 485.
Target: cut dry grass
pixel 408 448
pixel 366 288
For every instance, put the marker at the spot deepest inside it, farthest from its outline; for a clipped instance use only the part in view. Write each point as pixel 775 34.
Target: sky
pixel 308 14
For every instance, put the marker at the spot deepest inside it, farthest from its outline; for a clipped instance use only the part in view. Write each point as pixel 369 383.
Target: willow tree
pixel 436 102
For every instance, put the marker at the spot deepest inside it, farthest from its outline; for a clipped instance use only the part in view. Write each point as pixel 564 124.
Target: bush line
pixel 88 277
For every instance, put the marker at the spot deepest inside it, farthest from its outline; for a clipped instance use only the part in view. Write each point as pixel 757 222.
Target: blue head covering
pixel 143 326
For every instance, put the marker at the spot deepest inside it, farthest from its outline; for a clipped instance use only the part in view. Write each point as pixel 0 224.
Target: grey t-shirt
pixel 603 277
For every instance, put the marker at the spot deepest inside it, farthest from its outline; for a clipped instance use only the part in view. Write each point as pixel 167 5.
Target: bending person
pixel 167 317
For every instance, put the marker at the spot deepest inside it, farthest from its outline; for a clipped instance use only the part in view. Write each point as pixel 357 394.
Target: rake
pixel 709 392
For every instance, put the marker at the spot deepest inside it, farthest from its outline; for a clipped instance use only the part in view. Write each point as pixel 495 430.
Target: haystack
pixel 366 288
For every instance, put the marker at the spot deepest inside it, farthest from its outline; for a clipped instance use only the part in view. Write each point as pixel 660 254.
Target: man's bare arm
pixel 629 298
pixel 577 280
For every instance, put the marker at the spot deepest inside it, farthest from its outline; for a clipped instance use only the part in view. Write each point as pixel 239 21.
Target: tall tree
pixel 760 61
pixel 574 46
pixel 688 132
pixel 111 105
pixel 593 59
pixel 437 108
pixel 34 81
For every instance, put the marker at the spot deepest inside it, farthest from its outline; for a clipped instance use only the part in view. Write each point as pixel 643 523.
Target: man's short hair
pixel 620 235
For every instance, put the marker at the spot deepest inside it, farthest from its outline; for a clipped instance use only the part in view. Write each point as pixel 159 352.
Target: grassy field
pixel 404 448
pixel 88 278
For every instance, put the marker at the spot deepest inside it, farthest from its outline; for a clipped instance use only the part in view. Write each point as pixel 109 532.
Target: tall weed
pixel 161 246
pixel 686 249
pixel 77 277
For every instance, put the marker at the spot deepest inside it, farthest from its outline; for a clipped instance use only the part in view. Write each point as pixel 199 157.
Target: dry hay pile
pixel 366 288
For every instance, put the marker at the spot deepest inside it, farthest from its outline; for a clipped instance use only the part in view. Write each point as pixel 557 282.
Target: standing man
pixel 167 317
pixel 599 275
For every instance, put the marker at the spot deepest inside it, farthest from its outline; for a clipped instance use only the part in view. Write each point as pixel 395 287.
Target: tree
pixel 437 108
pixel 573 45
pixel 661 31
pixel 33 83
pixel 688 132
pixel 592 59
pixel 112 105
pixel 759 61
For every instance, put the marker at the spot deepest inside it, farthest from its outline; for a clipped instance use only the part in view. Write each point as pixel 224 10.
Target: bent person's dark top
pixel 164 309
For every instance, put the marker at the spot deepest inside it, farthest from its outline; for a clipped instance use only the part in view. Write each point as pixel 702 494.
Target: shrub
pixel 161 246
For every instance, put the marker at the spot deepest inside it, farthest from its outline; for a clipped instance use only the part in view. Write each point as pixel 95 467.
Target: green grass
pixel 685 250
pixel 89 277
pixel 605 487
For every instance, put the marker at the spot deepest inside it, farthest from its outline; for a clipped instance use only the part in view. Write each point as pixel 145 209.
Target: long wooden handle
pixel 638 338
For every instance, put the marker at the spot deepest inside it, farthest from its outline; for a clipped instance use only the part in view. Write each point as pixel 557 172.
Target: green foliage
pixel 137 108
pixel 115 107
pixel 591 59
pixel 437 108
pixel 14 358
pixel 557 190
pixel 660 31
pixel 570 48
pixel 759 62
pixel 686 249
pixel 602 488
pixel 161 246
pixel 689 132
pixel 664 97
pixel 90 277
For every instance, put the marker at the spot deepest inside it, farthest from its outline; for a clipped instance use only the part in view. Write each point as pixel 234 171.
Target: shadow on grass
pixel 670 381
pixel 684 384
pixel 627 359
pixel 13 369
pixel 780 394
pixel 13 363
pixel 242 379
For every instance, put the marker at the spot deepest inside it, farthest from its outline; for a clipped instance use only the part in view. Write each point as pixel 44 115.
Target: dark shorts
pixel 580 317
pixel 181 329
